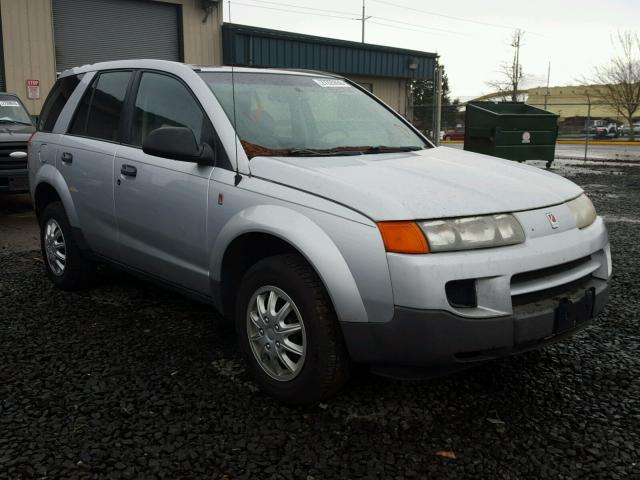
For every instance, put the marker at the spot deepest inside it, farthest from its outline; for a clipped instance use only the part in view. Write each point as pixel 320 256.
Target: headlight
pixel 583 211
pixel 472 232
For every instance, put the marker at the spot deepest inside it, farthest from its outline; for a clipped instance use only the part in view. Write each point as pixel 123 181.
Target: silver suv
pixel 319 220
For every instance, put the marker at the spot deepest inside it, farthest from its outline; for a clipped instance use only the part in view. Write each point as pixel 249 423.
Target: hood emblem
pixel 553 220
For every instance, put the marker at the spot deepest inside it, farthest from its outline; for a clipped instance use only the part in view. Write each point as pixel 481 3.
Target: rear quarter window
pixel 56 100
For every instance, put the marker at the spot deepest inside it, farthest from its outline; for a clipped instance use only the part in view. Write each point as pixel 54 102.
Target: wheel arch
pixel 50 186
pixel 262 231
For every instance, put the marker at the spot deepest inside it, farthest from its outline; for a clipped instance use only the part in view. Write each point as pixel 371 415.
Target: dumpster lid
pixel 510 108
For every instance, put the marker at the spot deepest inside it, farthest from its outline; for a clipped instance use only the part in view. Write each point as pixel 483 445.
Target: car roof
pixel 172 66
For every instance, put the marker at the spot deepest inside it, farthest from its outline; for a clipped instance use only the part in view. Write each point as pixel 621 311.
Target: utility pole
pixel 364 19
pixel 587 126
pixel 546 95
pixel 437 113
pixel 517 37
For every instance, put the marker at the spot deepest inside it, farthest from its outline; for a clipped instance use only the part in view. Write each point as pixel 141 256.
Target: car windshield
pixel 12 112
pixel 303 115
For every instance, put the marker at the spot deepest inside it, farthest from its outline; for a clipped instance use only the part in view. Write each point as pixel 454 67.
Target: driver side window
pixel 162 101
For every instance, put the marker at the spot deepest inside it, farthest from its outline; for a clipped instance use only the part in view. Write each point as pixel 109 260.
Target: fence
pixel 580 123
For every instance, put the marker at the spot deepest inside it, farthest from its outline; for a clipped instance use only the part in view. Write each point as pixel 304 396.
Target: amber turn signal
pixel 403 237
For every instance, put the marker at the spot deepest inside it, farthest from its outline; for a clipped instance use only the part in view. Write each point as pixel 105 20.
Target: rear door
pixel 86 158
pixel 161 204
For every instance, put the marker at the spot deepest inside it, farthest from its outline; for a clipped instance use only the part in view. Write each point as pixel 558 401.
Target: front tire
pixel 66 266
pixel 288 331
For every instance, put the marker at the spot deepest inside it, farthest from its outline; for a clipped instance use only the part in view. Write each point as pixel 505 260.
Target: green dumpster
pixel 511 130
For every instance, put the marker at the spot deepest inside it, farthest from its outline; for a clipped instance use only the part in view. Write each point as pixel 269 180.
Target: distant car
pixel 454 134
pixel 16 126
pixel 625 130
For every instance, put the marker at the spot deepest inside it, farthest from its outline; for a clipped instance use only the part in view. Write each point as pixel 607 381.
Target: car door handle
pixel 67 157
pixel 128 170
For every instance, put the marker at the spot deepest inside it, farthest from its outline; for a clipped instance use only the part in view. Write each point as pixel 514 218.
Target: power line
pixel 451 17
pixel 420 30
pixel 351 16
pixel 378 20
pixel 444 30
pixel 304 7
pixel 292 11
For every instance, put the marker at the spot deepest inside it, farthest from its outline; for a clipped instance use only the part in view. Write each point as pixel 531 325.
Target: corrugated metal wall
pixel 3 86
pixel 253 46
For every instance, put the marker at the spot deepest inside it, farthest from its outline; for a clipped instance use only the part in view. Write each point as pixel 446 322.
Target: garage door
pixel 90 31
pixel 3 87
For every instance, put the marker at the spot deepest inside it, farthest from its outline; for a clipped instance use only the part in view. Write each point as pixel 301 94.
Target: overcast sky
pixel 471 36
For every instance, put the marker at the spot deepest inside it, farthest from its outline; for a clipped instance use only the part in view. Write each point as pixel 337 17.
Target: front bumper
pixel 14 181
pixel 439 341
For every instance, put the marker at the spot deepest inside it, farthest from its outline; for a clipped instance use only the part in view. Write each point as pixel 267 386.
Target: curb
pixel 601 160
pixel 573 142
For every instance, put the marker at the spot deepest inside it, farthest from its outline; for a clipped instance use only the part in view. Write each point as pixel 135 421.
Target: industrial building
pixel 41 38
pixel 384 71
pixel 573 101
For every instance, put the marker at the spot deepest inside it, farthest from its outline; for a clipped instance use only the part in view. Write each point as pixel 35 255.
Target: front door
pixel 161 204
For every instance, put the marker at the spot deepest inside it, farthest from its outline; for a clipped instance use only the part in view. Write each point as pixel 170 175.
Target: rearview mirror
pixel 177 143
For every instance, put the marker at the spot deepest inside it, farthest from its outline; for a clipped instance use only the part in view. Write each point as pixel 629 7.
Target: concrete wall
pixel 29 52
pixel 392 91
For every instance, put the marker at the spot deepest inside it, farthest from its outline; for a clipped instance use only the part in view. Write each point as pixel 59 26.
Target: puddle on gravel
pixel 573 167
pixel 617 219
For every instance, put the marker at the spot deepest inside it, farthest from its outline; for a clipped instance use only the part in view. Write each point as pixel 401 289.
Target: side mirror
pixel 177 143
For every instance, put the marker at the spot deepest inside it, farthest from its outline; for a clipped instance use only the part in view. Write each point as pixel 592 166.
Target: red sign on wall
pixel 33 89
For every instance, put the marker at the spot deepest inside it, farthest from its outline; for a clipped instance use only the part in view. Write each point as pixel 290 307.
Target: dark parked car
pixel 16 127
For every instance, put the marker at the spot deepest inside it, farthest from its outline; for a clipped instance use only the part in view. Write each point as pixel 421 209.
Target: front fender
pixel 49 174
pixel 309 239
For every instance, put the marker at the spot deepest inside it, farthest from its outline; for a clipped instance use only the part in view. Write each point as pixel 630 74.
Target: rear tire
pixel 309 364
pixel 66 267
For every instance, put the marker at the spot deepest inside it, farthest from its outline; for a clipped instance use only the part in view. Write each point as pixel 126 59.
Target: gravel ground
pixel 130 381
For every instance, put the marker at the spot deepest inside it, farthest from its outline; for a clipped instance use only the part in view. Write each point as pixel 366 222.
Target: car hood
pixel 434 183
pixel 15 133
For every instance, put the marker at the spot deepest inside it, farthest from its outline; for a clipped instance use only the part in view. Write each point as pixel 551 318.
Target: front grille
pixel 8 163
pixel 546 272
pixel 549 293
pixel 536 285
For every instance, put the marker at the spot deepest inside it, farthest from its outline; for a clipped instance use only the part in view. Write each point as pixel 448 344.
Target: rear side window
pixel 56 100
pixel 100 109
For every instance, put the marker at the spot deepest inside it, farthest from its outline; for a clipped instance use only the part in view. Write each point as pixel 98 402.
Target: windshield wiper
pixel 255 150
pixel 388 149
pixel 16 122
pixel 332 152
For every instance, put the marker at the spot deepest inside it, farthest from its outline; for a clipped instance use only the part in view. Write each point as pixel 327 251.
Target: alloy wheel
pixel 55 247
pixel 276 333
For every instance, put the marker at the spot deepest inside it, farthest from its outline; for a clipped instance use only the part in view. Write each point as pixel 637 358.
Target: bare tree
pixel 619 81
pixel 510 73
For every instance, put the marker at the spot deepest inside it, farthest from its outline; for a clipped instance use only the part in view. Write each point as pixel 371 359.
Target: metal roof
pixel 260 47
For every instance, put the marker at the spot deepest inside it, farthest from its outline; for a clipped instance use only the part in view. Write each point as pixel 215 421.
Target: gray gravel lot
pixel 130 381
